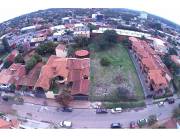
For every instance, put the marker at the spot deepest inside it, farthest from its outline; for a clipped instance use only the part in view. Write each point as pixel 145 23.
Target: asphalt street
pixel 87 118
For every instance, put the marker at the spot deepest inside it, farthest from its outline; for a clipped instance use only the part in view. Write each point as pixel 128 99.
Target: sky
pixel 168 9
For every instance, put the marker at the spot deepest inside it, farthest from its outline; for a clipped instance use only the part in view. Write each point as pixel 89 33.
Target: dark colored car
pixel 5 98
pixel 116 125
pixel 133 124
pixel 66 109
pixel 101 111
pixel 171 100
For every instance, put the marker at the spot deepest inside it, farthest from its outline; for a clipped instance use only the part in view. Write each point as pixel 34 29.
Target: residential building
pixel 12 55
pixel 175 59
pixel 74 72
pixel 61 51
pixel 4 124
pixel 13 74
pixel 156 73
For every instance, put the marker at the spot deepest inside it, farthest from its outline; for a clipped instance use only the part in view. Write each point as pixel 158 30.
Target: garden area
pixel 114 78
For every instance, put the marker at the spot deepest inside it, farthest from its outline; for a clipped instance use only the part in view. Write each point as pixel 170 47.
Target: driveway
pixel 87 118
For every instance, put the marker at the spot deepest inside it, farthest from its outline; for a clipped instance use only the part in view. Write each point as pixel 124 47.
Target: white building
pixel 143 15
pixel 28 29
pixel 124 32
pixel 159 46
pixel 61 51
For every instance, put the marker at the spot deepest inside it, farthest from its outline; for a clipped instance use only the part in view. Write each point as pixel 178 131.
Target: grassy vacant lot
pixel 104 80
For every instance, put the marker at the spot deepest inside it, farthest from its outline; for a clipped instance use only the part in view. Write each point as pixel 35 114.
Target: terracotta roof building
pixel 14 123
pixel 69 70
pixel 12 55
pixel 82 53
pixel 157 80
pixel 151 64
pixel 13 74
pixel 30 79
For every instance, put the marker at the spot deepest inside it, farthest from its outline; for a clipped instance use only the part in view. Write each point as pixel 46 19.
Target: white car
pixel 160 104
pixel 116 110
pixel 4 86
pixel 66 124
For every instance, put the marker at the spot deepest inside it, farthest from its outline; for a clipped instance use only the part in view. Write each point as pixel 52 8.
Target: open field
pixel 121 73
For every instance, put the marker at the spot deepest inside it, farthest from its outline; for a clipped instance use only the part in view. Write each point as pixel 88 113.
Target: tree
pixel 92 27
pixel 64 98
pixel 81 41
pixel 125 94
pixel 12 87
pixel 47 48
pixel 111 36
pixel 176 112
pixel 37 57
pixel 6 44
pixel 152 120
pixel 127 43
pixel 19 59
pixel 172 51
pixel 7 64
pixel 105 61
pixel 108 39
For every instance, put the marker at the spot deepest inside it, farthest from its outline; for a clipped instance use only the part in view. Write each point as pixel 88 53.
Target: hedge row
pixel 123 105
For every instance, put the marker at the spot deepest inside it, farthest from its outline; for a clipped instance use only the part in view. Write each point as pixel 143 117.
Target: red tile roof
pixel 12 55
pixel 13 74
pixel 72 69
pixel 156 77
pixel 4 124
pixel 55 66
pixel 31 78
pixel 81 53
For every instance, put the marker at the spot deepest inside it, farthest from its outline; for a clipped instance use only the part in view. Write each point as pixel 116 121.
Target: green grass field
pixel 121 64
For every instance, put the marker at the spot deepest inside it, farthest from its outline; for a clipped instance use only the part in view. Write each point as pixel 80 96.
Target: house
pixel 74 72
pixel 61 51
pixel 156 73
pixel 13 74
pixel 4 124
pixel 157 80
pixel 12 55
pixel 29 80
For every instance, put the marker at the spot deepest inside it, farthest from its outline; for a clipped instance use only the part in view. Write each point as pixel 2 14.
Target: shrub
pixel 19 59
pixel 105 61
pixel 123 105
pixel 152 120
pixel 7 64
pixel 32 62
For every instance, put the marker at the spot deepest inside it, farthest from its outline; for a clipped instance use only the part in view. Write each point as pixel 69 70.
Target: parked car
pixel 160 104
pixel 3 86
pixel 116 110
pixel 66 124
pixel 116 125
pixel 142 122
pixel 171 100
pixel 133 124
pixel 101 111
pixel 5 98
pixel 67 109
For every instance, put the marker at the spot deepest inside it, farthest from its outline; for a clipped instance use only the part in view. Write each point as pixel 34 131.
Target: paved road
pixel 87 118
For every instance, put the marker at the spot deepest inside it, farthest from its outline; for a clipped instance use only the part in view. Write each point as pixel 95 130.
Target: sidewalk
pixel 50 102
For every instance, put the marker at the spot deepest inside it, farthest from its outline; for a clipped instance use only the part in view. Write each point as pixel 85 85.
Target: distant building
pixel 143 15
pixel 28 29
pixel 159 46
pixel 98 16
